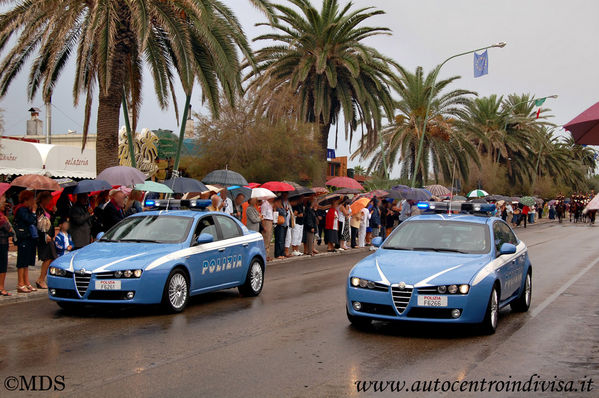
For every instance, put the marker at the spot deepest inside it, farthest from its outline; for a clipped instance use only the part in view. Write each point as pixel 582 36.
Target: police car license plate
pixel 108 285
pixel 432 301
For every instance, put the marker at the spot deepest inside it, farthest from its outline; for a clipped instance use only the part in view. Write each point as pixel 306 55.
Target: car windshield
pixel 440 236
pixel 150 229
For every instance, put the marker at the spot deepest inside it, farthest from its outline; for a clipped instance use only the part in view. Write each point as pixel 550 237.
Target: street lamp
pixel 428 105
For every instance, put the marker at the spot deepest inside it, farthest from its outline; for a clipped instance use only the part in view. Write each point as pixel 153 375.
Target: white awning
pixel 21 157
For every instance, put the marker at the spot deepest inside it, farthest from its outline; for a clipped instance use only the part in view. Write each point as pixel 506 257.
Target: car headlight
pixel 128 273
pixel 453 289
pixel 57 271
pixel 363 283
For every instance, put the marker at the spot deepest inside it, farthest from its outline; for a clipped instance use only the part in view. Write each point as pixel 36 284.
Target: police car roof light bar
pixel 193 204
pixel 462 208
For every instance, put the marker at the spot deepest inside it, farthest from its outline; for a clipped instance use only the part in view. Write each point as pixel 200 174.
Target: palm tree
pixel 319 59
pixel 445 145
pixel 557 160
pixel 584 154
pixel 111 40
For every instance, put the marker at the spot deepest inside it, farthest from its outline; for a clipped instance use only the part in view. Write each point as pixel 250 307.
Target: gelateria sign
pixel 22 157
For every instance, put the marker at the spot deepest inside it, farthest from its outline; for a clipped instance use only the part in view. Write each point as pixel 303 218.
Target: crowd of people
pixel 294 224
pixel 79 220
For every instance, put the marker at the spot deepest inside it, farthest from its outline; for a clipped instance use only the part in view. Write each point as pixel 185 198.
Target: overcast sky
pixel 551 49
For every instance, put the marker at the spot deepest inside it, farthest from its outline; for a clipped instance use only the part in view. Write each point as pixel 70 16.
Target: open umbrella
pixel 87 186
pixel 122 175
pixel 278 186
pixel 585 127
pixel 4 186
pixel 329 199
pixel 152 186
pixel 301 191
pixel 593 204
pixel 477 193
pixel 348 191
pixel 253 185
pixel 358 205
pixel 184 185
pixel 478 200
pixel 394 194
pixel 320 190
pixel 527 201
pixel 262 194
pixel 236 190
pixel 224 177
pixel 344 182
pixel 438 190
pixel 416 194
pixel 459 198
pixel 36 182
pixel 66 182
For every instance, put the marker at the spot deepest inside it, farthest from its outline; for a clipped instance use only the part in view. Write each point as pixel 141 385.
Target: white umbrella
pixel 478 193
pixel 262 194
pixel 593 204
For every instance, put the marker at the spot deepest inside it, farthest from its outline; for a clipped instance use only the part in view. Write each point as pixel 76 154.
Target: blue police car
pixel 162 256
pixel 440 267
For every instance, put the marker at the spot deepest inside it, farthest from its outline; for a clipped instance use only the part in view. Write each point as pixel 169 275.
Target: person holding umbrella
pixel 46 252
pixel 6 232
pixel 81 221
pixel 26 230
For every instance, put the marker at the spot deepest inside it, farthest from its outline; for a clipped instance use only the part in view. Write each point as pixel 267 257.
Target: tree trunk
pixel 107 141
pixel 324 136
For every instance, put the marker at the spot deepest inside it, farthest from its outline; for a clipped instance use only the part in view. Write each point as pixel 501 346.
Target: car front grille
pixel 82 282
pixel 66 293
pixel 428 290
pixel 401 297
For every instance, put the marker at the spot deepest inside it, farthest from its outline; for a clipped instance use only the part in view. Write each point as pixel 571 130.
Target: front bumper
pixel 380 305
pixel 147 289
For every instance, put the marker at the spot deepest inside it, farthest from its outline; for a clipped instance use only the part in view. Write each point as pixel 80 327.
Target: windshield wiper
pixel 140 240
pixel 397 248
pixel 439 249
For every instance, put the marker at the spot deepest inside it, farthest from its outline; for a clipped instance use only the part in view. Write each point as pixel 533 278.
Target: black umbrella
pixel 66 182
pixel 478 200
pixel 236 190
pixel 394 194
pixel 301 191
pixel 348 191
pixel 224 177
pixel 329 199
pixel 184 185
pixel 87 186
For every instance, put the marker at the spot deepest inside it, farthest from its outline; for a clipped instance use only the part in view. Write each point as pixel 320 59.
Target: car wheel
pixel 254 281
pixel 176 291
pixel 69 307
pixel 522 303
pixel 489 324
pixel 360 322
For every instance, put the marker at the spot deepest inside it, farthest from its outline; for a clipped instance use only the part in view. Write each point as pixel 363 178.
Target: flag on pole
pixel 538 112
pixel 540 101
pixel 481 64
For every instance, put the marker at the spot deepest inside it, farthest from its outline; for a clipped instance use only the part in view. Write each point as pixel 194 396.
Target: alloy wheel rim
pixel 494 313
pixel 256 277
pixel 177 291
pixel 527 290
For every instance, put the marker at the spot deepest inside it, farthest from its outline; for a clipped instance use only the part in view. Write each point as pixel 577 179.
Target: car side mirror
pixel 507 248
pixel 204 238
pixel 100 235
pixel 377 242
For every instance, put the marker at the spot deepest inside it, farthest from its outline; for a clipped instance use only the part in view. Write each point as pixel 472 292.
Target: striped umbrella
pixel 438 190
pixel 477 193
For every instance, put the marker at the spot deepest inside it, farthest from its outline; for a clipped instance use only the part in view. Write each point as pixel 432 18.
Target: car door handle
pixel 245 244
pixel 222 249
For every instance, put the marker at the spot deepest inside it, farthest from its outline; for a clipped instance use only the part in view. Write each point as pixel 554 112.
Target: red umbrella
pixel 4 187
pixel 344 182
pixel 585 127
pixel 253 185
pixel 36 182
pixel 277 186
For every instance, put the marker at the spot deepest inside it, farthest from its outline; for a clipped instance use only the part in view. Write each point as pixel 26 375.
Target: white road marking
pixel 537 310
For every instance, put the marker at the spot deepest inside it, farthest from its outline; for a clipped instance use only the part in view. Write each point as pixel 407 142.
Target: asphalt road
pixel 294 339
